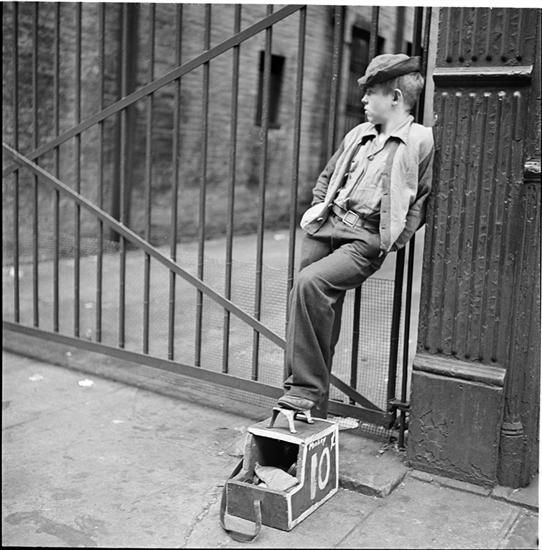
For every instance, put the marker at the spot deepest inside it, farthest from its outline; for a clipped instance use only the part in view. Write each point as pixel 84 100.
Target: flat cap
pixel 387 66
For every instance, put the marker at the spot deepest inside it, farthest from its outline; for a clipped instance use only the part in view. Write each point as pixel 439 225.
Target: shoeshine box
pixel 311 454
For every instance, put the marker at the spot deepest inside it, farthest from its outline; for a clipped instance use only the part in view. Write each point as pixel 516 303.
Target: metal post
pixel 336 71
pixel 417 38
pixel 56 169
pixel 35 192
pixel 148 179
pixel 231 189
pixel 373 39
pixel 261 193
pixel 16 175
pixel 203 184
pixel 354 356
pixel 101 151
pixel 123 175
pixel 77 176
pixel 395 326
pixel 175 145
pixel 296 145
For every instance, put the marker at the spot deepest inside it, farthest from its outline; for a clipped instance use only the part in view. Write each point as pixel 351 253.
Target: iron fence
pixel 93 165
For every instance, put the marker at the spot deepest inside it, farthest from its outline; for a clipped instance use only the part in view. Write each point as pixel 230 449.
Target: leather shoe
pixel 296 403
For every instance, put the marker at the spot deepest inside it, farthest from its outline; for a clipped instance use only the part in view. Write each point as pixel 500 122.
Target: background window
pixel 275 86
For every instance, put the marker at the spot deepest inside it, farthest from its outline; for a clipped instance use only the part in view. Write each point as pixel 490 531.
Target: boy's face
pixel 378 104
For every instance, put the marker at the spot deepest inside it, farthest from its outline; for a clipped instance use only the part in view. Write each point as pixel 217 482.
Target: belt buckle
pixel 350 218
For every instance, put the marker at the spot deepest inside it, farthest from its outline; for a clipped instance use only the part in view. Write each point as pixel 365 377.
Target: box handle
pixel 237 535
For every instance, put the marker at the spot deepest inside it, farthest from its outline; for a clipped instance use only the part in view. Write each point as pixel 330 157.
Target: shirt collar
pixel 399 132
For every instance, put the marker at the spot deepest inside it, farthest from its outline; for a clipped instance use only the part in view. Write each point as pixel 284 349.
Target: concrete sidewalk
pixel 89 461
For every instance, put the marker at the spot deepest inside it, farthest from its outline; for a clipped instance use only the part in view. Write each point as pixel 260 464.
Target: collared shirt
pixel 409 183
pixel 362 190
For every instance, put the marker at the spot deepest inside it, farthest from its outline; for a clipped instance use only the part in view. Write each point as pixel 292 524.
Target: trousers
pixel 335 259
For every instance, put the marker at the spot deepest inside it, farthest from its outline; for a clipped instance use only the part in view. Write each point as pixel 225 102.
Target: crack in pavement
pixel 212 498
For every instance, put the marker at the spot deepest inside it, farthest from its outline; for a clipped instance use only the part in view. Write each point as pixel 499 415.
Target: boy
pixel 369 200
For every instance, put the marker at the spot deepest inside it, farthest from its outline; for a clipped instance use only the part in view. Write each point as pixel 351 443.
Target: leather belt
pixel 352 219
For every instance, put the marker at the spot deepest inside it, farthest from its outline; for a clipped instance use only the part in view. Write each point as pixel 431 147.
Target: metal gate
pixel 99 150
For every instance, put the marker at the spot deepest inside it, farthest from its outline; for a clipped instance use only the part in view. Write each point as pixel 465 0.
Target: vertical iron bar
pixel 336 72
pixel 203 183
pixel 35 198
pixel 417 39
pixel 338 41
pixel 296 148
pixel 16 290
pixel 295 168
pixel 175 185
pixel 406 339
pixel 399 30
pixel 101 152
pixel 425 55
pixel 231 188
pixel 373 39
pixel 77 232
pixel 148 181
pixel 56 203
pixel 123 169
pixel 354 357
pixel 398 278
pixel 395 323
pixel 418 42
pixel 261 193
pixel 355 340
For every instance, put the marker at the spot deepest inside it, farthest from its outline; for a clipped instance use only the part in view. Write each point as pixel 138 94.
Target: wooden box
pixel 314 450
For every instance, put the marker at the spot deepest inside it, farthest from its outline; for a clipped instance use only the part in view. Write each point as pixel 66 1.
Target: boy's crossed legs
pixel 338 258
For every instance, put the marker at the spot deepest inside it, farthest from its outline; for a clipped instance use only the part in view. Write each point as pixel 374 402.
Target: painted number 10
pixel 320 469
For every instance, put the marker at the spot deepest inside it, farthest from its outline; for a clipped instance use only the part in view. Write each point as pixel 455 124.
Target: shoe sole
pixel 291 407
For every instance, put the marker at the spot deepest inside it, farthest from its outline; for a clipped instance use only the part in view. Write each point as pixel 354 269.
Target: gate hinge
pixel 398 404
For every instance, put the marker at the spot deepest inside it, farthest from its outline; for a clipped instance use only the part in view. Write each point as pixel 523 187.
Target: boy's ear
pixel 397 95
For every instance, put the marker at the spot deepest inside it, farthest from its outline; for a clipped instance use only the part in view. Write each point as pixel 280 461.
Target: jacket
pixel 410 182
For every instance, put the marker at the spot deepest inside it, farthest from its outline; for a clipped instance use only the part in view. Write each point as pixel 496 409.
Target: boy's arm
pixel 416 213
pixel 322 183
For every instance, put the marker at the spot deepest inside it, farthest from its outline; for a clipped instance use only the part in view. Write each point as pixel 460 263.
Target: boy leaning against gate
pixel 369 200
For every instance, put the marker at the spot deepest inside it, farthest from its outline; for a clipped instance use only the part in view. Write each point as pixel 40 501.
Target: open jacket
pixel 409 182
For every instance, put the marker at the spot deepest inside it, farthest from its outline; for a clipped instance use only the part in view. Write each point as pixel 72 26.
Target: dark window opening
pixel 275 87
